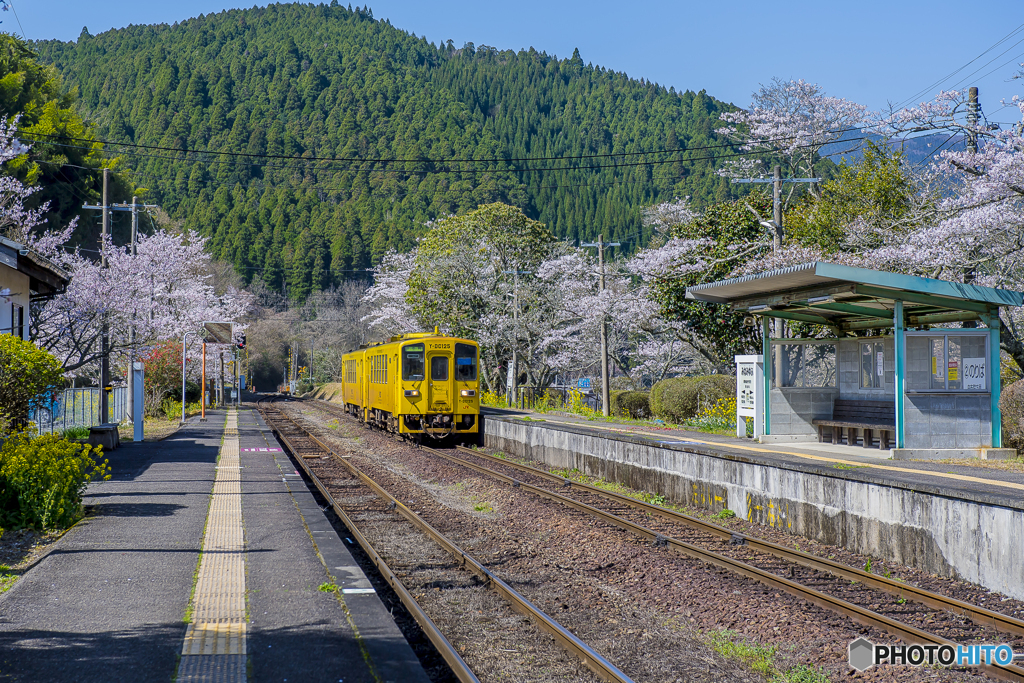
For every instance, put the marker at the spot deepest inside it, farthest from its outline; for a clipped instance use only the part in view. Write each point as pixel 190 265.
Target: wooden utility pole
pixel 605 395
pixel 778 232
pixel 104 338
pixel 973 117
pixel 106 207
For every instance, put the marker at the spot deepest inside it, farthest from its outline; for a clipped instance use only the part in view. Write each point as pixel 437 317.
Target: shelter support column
pixel 766 351
pixel 994 373
pixel 900 346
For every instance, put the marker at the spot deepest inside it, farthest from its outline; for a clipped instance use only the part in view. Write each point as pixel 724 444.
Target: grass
pixel 7 578
pixel 1011 465
pixel 844 466
pixel 328 587
pixel 762 659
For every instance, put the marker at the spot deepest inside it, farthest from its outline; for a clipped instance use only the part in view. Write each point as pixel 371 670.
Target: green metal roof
pixel 850 298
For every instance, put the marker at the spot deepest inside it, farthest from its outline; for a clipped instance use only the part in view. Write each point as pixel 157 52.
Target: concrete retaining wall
pixel 952 537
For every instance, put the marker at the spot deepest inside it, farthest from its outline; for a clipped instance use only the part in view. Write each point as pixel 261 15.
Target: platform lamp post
pixel 184 348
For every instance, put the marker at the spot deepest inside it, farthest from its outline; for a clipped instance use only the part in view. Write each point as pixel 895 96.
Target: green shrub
pixel 27 374
pixel 681 398
pixel 172 408
pixel 78 432
pixel 634 404
pixel 1011 405
pixel 42 479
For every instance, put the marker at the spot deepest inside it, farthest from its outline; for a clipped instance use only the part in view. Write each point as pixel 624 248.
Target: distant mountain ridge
pixel 349 95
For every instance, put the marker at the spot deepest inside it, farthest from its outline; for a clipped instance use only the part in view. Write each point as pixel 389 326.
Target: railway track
pixel 615 509
pixel 307 448
pixel 831 585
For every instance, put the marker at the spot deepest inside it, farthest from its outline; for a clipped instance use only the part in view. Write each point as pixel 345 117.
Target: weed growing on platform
pixel 43 478
pixel 328 587
pixel 7 577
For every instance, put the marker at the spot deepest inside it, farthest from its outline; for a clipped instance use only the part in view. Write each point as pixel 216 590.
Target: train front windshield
pixel 412 363
pixel 465 362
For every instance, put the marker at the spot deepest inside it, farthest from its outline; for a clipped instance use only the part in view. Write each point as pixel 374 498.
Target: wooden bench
pixel 863 419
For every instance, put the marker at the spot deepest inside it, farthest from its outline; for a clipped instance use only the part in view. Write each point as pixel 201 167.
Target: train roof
pixel 410 336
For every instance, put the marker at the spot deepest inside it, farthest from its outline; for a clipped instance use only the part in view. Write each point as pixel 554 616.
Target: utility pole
pixel 106 207
pixel 104 339
pixel 973 117
pixel 775 225
pixel 513 370
pixel 605 396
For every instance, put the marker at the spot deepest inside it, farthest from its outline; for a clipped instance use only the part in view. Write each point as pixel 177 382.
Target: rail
pixel 978 615
pixel 430 629
pixel 593 660
pixel 905 632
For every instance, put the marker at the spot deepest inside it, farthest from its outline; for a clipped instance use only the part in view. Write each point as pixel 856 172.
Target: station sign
pixel 749 394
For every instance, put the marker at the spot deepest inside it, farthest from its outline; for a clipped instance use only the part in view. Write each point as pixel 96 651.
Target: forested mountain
pixel 340 135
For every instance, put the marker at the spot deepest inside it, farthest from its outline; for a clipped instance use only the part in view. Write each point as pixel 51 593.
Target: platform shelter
pixel 912 363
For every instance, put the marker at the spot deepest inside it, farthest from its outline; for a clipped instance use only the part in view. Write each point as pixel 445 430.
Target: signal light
pixel 241 342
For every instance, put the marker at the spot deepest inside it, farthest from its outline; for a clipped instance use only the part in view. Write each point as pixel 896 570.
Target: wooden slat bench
pixel 861 419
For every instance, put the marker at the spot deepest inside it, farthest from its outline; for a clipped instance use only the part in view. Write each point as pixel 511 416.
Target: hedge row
pixel 681 398
pixel 634 404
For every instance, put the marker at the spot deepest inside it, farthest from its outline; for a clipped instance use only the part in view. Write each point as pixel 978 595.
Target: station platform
pixel 982 482
pixel 201 559
pixel 951 519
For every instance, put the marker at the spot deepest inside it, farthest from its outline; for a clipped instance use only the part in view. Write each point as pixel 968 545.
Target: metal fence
pixel 555 397
pixel 77 408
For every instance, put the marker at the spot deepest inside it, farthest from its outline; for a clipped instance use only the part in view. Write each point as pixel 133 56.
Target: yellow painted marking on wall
pixel 829 459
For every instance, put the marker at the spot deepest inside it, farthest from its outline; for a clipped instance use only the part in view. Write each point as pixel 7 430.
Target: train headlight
pixel 411 393
pixel 467 392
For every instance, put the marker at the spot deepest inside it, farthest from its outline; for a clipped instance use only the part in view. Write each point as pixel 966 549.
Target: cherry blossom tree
pixel 789 122
pixel 160 292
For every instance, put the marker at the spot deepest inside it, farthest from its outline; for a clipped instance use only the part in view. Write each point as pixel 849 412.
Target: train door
pixel 440 381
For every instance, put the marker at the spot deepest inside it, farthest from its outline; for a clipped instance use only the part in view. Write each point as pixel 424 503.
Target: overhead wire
pixel 417 160
pixel 939 82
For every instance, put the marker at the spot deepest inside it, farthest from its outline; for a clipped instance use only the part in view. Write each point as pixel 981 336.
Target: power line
pixel 420 160
pixel 306 162
pixel 935 84
pixel 17 18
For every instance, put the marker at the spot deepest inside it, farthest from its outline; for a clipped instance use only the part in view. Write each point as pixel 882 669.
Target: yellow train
pixel 416 384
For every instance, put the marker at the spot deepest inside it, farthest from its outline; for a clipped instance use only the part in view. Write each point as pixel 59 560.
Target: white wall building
pixel 24 276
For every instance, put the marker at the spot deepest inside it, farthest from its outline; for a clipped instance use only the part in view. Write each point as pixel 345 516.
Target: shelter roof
pixel 848 298
pixel 45 277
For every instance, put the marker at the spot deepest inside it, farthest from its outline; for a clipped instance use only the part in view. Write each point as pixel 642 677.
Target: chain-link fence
pixel 77 408
pixel 556 398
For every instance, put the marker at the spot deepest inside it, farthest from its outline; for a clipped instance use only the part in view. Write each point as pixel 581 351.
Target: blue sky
pixel 871 52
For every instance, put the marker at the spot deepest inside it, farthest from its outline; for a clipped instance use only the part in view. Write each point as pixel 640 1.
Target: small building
pixel 25 276
pixel 913 363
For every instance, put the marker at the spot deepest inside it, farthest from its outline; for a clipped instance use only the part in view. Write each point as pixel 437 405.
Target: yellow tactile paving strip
pixel 768 451
pixel 218 613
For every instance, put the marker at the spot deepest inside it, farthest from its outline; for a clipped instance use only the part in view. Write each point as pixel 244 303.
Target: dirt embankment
pixel 327 392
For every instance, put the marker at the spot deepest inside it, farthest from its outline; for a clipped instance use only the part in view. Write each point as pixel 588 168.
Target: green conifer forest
pixel 306 140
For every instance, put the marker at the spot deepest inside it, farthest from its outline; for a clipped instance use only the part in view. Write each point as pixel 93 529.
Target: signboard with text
pixel 749 394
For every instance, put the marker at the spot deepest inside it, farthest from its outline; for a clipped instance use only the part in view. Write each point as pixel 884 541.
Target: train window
pixel 412 363
pixel 465 362
pixel 439 368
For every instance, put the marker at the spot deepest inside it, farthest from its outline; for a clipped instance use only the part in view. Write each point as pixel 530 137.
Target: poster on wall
pixel 974 373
